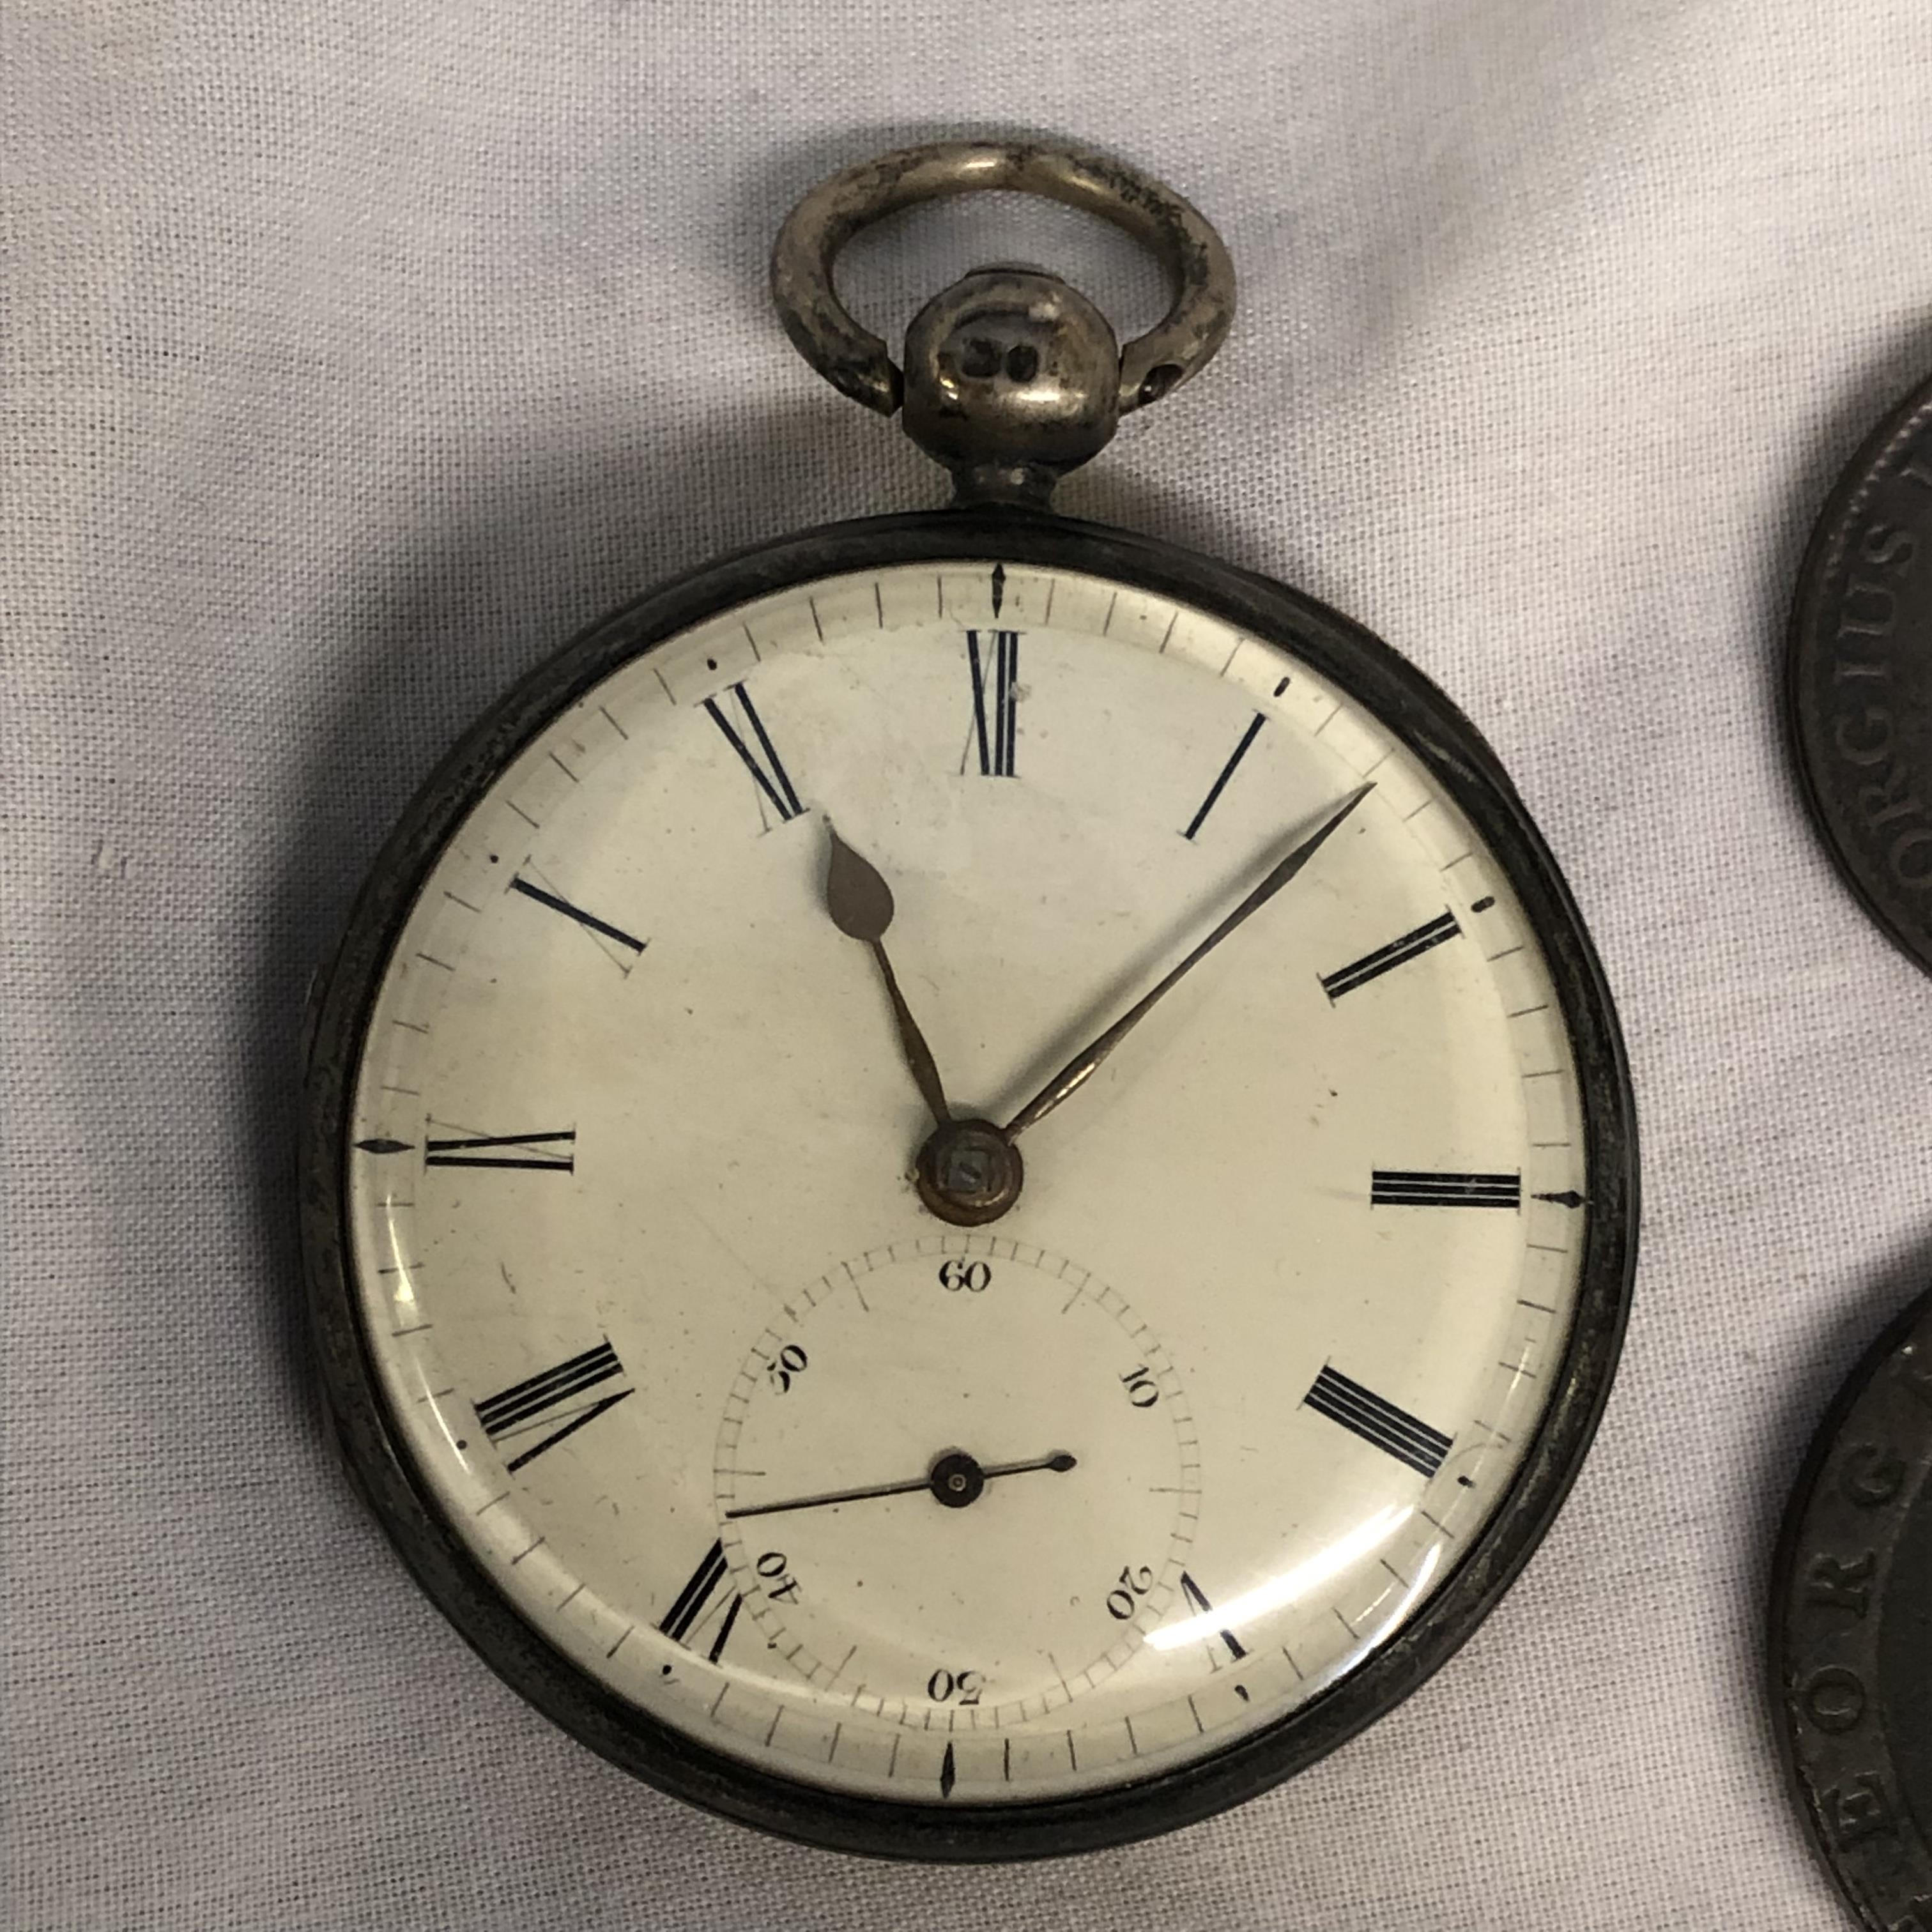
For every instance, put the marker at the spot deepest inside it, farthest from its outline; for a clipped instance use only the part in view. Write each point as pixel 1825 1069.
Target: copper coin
pixel 1851 1632
pixel 1860 675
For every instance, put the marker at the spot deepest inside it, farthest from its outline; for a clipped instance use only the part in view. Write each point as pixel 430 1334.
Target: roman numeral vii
pixel 693 1606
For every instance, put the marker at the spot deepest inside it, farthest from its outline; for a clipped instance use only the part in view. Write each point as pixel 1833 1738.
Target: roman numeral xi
pixel 556 1400
pixel 768 771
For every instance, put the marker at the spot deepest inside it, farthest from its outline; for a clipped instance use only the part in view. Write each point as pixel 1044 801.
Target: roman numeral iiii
pixel 1363 1413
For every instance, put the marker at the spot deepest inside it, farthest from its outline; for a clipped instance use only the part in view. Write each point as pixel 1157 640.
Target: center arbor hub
pixel 969 1173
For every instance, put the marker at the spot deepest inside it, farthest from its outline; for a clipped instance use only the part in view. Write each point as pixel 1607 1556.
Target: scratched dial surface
pixel 659 1315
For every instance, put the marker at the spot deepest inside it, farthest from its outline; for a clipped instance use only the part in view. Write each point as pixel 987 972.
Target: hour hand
pixel 860 903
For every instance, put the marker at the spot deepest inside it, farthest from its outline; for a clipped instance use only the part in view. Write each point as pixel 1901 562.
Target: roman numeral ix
pixel 689 1610
pixel 767 772
pixel 1386 959
pixel 1393 1430
pixel 552 1400
pixel 995 657
pixel 541 1153
pixel 1399 1188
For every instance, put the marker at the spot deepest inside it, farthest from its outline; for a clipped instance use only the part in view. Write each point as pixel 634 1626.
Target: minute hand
pixel 1080 1068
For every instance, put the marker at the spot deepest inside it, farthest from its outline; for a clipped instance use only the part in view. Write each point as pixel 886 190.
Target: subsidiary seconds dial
pixel 964 1189
pixel 1031 1405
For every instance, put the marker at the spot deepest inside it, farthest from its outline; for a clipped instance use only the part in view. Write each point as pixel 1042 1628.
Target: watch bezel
pixel 676 1763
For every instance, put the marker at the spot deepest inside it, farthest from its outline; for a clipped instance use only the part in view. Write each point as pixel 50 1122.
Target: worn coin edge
pixel 1824 556
pixel 1867 1394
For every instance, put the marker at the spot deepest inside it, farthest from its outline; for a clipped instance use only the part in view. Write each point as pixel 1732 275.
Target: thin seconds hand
pixel 1060 1463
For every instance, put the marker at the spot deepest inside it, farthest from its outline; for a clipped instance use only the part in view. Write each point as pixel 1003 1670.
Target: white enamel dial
pixel 659 1316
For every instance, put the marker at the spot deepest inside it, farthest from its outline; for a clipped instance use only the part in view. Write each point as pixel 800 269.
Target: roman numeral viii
pixel 541 1153
pixel 557 1400
pixel 1393 1430
pixel 694 1606
pixel 1399 1188
pixel 995 657
pixel 767 773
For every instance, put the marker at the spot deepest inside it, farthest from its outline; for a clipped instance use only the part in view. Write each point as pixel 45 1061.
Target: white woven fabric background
pixel 354 356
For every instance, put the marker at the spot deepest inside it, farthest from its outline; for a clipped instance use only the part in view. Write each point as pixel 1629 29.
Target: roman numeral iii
pixel 1400 1188
pixel 1363 1413
pixel 557 1400
pixel 994 659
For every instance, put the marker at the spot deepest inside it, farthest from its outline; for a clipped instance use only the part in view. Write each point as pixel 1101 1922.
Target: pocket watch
pixel 968 1184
